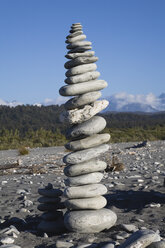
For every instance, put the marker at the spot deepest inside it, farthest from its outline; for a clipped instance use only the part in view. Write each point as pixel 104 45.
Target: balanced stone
pixel 81 88
pixel 91 141
pixel 75 29
pixel 80 61
pixel 50 192
pixel 49 200
pixel 94 177
pixel 88 76
pixel 80 69
pixel 76 55
pixel 95 125
pixel 141 238
pixel 47 207
pixel 86 154
pixel 85 191
pixel 97 202
pixel 80 49
pixel 74 35
pixel 51 215
pixel 52 226
pixel 80 115
pixel 90 221
pixel 78 44
pixel 83 99
pixel 92 165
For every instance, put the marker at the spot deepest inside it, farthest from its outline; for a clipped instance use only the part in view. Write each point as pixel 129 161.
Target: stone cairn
pixel 85 203
pixel 50 203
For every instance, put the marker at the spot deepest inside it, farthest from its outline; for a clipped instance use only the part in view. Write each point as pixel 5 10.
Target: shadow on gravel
pixel 134 200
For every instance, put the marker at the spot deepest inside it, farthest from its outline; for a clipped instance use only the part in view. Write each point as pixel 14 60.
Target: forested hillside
pixel 40 126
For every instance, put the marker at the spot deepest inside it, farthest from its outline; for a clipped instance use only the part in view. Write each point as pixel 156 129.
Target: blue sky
pixel 127 35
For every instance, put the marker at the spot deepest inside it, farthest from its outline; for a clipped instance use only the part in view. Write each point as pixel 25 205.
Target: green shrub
pixel 23 150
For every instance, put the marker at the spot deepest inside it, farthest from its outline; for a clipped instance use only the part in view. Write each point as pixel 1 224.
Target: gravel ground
pixel 136 194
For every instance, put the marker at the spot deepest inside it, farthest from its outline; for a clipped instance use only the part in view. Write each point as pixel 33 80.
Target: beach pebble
pixel 7 240
pixel 28 203
pixel 141 239
pixel 63 244
pixel 108 245
pixel 129 227
pixel 94 177
pixel 158 244
pixel 90 221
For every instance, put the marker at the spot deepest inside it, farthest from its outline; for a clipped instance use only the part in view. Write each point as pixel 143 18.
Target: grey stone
pixel 50 192
pixel 141 239
pixel 73 35
pixel 80 49
pixel 81 88
pixel 7 240
pixel 95 125
pixel 49 199
pixel 109 245
pixel 75 29
pixel 80 69
pixel 56 226
pixel 158 244
pixel 94 177
pixel 76 55
pixel 52 215
pixel 86 154
pixel 80 61
pixel 97 202
pixel 90 221
pixel 63 244
pixel 10 246
pixel 28 203
pixel 88 76
pixel 47 207
pixel 85 167
pixel 79 44
pixel 91 141
pixel 83 99
pixel 129 227
pixel 87 112
pixel 85 191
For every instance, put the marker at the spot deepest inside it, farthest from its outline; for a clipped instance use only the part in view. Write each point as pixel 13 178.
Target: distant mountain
pixel 120 102
pixel 123 102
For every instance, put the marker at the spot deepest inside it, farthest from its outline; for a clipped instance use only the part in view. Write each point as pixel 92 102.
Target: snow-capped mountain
pixel 120 102
pixel 123 102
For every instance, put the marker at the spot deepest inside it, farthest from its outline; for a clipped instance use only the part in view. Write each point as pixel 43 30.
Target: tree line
pixel 35 126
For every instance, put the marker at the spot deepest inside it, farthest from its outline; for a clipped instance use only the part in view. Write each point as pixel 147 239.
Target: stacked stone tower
pixel 84 192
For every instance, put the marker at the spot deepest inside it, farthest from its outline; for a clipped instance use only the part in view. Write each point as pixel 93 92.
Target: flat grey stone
pixel 56 226
pixel 85 77
pixel 76 55
pixel 52 215
pixel 85 191
pixel 141 239
pixel 84 155
pixel 84 168
pixel 89 142
pixel 89 221
pixel 47 207
pixel 50 192
pixel 95 125
pixel 81 88
pixel 80 69
pixel 79 44
pixel 94 177
pixel 97 202
pixel 83 99
pixel 158 244
pixel 80 61
pixel 129 227
pixel 80 49
pixel 109 245
pixel 80 115
pixel 73 35
pixel 75 29
pixel 49 200
pixel 7 240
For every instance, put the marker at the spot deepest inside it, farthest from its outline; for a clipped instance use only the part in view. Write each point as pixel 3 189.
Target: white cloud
pixel 59 100
pixel 10 104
